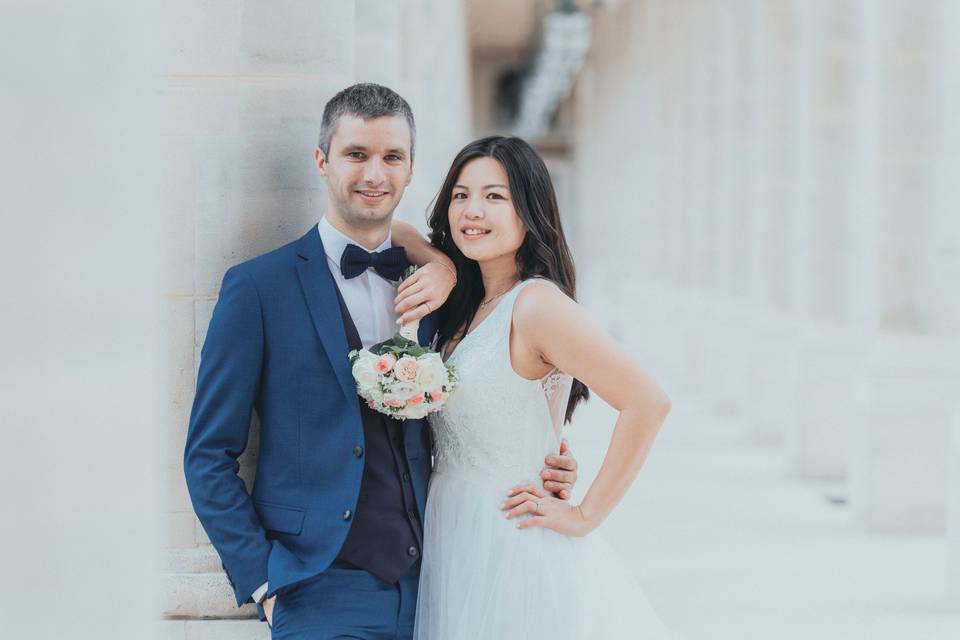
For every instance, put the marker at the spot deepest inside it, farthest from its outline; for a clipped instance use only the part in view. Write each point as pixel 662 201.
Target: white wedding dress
pixel 481 577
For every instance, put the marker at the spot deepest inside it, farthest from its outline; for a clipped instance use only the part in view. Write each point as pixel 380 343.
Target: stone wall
pixel 244 89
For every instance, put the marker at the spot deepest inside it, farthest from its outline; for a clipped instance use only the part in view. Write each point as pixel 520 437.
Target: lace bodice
pixel 498 423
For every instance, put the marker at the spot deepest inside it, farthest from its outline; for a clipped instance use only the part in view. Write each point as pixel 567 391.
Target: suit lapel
pixel 427 330
pixel 320 293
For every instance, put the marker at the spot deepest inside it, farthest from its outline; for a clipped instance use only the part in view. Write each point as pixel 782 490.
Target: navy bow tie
pixel 389 263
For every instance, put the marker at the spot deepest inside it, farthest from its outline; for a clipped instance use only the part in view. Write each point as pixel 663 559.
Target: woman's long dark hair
pixel 544 251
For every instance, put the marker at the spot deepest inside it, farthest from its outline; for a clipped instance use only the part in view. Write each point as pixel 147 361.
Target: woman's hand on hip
pixel 545 511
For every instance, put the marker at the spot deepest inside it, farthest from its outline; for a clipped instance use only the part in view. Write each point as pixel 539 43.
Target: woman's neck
pixel 499 275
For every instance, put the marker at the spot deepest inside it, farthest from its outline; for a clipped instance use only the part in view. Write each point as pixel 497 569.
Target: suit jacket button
pixel 347 514
pixel 406 477
pixel 412 551
pixel 358 451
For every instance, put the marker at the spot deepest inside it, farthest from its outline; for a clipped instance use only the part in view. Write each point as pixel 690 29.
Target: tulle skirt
pixel 482 578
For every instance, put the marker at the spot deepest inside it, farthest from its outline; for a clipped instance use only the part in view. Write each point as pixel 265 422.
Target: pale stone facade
pixel 245 93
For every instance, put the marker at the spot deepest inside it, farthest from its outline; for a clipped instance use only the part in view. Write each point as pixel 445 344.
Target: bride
pixel 503 563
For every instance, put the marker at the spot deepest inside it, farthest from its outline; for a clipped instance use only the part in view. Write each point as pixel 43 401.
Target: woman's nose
pixel 473 210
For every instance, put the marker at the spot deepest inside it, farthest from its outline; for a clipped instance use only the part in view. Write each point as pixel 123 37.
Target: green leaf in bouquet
pixel 396 345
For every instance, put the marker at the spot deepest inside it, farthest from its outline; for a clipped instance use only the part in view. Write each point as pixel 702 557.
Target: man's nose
pixel 373 172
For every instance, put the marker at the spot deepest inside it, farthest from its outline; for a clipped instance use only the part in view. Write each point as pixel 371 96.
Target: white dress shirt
pixel 369 298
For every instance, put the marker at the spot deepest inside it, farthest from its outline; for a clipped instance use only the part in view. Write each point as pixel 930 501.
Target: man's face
pixel 368 167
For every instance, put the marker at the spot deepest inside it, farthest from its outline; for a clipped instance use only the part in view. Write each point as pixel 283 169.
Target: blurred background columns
pixel 911 378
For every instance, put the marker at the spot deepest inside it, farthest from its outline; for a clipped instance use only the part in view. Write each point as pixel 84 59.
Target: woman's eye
pixel 495 196
pixel 459 196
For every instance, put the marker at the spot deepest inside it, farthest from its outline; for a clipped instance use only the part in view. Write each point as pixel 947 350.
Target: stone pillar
pixel 953 510
pixel 244 87
pixel 772 354
pixel 941 262
pixel 435 79
pixel 81 382
pixel 723 357
pixel 830 353
pixel 907 401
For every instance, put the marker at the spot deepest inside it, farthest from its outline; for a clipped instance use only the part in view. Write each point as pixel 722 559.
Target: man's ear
pixel 321 160
pixel 410 175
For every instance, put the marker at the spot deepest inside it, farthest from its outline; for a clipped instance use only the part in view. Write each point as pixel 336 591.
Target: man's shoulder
pixel 272 263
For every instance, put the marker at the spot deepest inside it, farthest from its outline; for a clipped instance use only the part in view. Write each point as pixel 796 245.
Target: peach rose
pixel 385 362
pixel 393 402
pixel 415 399
pixel 406 369
pixel 437 395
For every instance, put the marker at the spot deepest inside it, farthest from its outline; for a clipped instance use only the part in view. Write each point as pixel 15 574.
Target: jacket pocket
pixel 280 518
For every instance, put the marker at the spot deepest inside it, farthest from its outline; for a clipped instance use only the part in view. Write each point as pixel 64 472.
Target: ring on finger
pixel 537 510
pixel 429 310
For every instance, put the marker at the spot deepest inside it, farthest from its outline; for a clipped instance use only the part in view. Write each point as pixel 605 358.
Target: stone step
pixel 213 630
pixel 201 595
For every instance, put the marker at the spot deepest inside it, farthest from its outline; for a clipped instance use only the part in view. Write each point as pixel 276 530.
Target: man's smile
pixel 371 196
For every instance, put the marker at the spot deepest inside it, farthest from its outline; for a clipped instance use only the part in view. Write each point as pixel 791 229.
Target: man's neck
pixel 368 237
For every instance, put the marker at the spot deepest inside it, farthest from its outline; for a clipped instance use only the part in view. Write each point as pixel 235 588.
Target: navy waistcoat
pixel 386 536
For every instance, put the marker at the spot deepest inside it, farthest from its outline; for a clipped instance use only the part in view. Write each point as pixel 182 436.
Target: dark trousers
pixel 347 602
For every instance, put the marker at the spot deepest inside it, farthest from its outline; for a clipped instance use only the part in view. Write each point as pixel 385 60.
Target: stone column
pixel 81 382
pixel 244 87
pixel 941 262
pixel 830 353
pixel 907 395
pixel 772 354
pixel 435 79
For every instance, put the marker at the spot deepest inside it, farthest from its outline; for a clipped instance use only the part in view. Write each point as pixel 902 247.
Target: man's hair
pixel 365 100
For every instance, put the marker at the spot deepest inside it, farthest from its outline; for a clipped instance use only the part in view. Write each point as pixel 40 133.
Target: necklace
pixel 486 302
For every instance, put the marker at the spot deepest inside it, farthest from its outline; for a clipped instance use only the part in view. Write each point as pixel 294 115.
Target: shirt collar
pixel 335 241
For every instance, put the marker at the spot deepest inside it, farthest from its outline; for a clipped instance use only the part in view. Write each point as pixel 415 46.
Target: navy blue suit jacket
pixel 277 345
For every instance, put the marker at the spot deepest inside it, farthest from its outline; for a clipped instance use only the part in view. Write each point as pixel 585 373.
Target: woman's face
pixel 483 221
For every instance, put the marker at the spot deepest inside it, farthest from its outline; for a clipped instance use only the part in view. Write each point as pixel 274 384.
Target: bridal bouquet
pixel 400 378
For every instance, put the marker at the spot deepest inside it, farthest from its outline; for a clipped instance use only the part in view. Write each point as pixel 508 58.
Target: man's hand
pixel 560 474
pixel 268 609
pixel 425 291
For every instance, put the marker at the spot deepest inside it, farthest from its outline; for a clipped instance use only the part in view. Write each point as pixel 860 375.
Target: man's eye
pixel 356 154
pixel 392 158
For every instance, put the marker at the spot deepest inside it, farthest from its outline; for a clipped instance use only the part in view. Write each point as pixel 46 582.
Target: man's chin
pixel 372 216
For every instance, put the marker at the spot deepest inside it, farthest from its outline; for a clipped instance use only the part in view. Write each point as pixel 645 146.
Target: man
pixel 329 542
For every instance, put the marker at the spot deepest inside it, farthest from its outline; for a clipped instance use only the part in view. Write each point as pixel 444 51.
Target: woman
pixel 515 564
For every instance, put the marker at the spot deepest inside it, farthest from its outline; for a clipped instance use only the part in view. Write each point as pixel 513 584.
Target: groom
pixel 329 543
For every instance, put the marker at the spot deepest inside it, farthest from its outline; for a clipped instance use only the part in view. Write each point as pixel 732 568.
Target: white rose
pixel 402 390
pixel 364 372
pixel 432 373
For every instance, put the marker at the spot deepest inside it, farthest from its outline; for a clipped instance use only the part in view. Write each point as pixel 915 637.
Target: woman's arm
pixel 549 325
pixel 427 289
